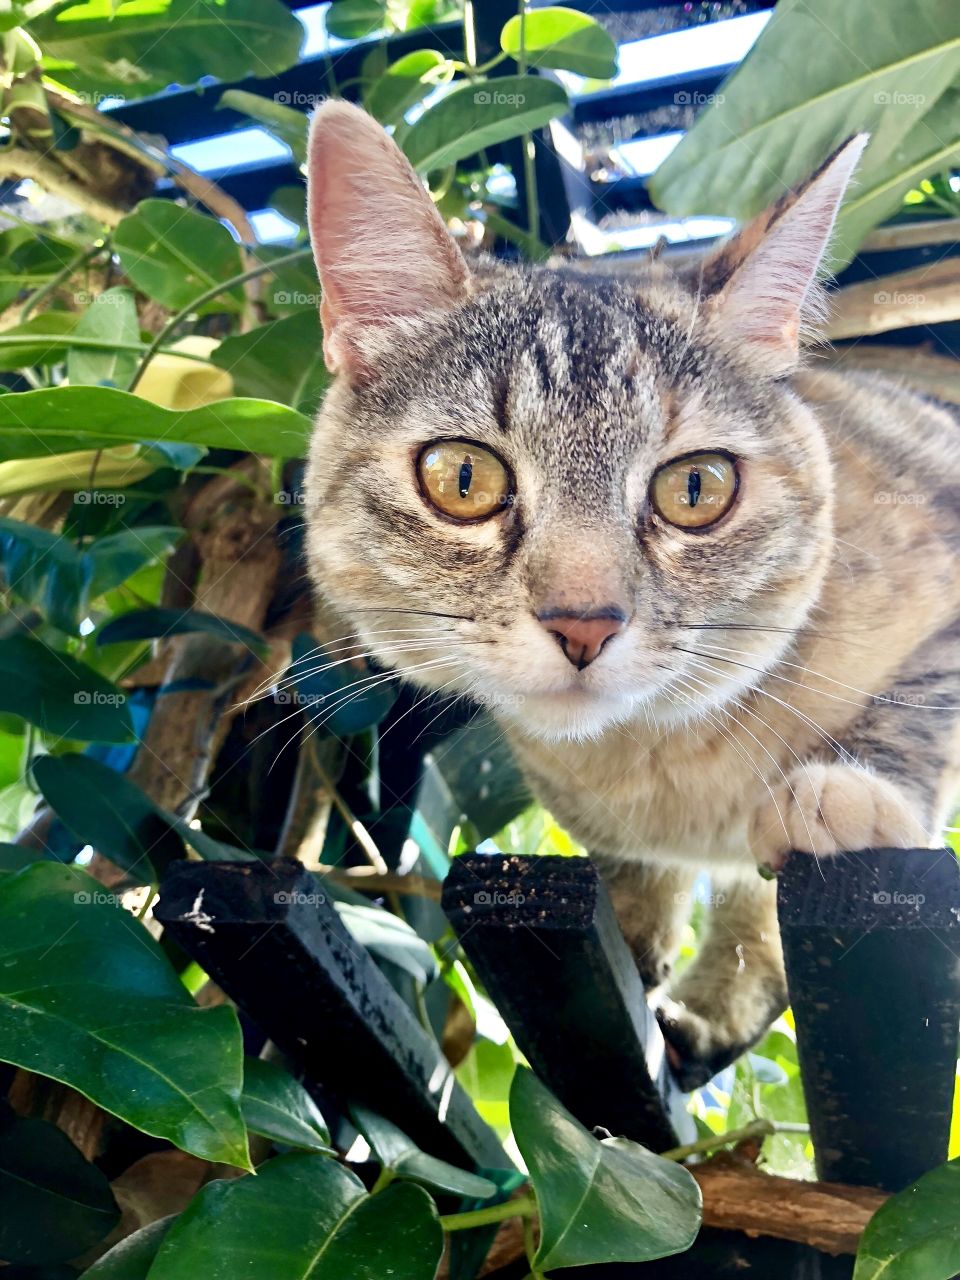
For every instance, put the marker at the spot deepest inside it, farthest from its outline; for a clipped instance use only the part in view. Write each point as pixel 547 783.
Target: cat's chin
pixel 566 716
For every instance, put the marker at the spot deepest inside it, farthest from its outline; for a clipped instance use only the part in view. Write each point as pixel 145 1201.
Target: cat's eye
pixel 463 480
pixel 696 490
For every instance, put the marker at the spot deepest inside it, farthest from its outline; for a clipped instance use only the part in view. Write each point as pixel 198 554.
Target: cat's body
pixel 681 698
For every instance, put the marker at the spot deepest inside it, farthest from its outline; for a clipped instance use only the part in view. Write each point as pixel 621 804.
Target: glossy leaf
pixel 354 19
pixel 156 622
pixel 329 694
pixel 175 254
pixel 303 1216
pixel 916 1234
pixel 563 38
pixel 14 857
pixel 59 694
pixel 391 939
pixel 42 339
pixel 281 361
pixel 770 130
pixel 117 556
pixel 279 1107
pixel 481 115
pixel 285 123
pixel 599 1201
pixel 60 419
pixel 396 1151
pixel 406 82
pixel 55 1203
pixel 110 813
pixel 137 49
pixel 132 1258
pixel 88 997
pixel 112 318
pixel 46 570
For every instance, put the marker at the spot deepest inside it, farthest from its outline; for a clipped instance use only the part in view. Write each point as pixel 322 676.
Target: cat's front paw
pixel 827 808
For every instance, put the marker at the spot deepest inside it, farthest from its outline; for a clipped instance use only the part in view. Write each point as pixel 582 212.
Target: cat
pixel 709 591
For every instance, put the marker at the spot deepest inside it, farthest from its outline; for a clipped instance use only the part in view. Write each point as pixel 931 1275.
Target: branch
pixel 17 162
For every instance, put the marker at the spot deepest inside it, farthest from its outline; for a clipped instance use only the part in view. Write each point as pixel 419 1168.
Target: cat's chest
pixel 675 797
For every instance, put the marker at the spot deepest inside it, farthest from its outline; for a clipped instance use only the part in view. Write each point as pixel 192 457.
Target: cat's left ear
pixel 382 249
pixel 762 284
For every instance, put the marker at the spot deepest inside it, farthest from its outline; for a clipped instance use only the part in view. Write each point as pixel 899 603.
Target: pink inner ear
pixel 381 247
pixel 773 295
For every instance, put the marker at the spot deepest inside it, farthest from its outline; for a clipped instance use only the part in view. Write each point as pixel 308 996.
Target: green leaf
pixel 56 1204
pixel 327 690
pixel 45 570
pixel 112 317
pixel 117 556
pixel 173 255
pixel 303 1216
pixel 406 82
pixel 285 123
pixel 564 38
pixel 59 694
pixel 279 1107
pixel 34 424
pixel 599 1201
pixel 396 1151
pixel 14 857
pixel 39 340
pixel 88 998
pixel 153 623
pixel 132 1258
pixel 109 812
pixel 916 1234
pixel 391 939
pixel 281 361
pixel 354 19
pixel 779 116
pixel 481 115
pixel 136 48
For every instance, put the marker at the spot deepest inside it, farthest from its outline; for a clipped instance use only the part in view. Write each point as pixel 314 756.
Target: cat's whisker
pixel 738 747
pixel 420 613
pixel 819 675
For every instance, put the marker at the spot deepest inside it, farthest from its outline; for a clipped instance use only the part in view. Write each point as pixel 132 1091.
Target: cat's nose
pixel 582 636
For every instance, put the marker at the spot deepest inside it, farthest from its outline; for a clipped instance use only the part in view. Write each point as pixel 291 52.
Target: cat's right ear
pixel 382 249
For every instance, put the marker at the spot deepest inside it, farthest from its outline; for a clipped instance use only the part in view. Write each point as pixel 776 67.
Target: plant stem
pixel 527 142
pixel 755 1129
pixel 384 1178
pixel 85 255
pixel 522 1207
pixel 174 323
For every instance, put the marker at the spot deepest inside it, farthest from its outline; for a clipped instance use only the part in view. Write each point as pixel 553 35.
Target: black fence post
pixel 871 942
pixel 543 937
pixel 266 934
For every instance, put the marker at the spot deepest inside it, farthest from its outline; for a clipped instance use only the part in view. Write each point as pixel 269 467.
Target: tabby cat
pixel 709 591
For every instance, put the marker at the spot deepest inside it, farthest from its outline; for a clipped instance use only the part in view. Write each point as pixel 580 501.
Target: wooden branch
pixel 919 367
pixel 18 162
pixel 923 295
pixel 910 235
pixel 369 880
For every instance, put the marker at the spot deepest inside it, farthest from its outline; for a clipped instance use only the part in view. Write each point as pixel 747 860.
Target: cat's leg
pixel 735 987
pixel 652 905
pixel 894 784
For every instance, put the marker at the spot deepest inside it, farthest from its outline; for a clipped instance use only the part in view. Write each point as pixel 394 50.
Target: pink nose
pixel 582 636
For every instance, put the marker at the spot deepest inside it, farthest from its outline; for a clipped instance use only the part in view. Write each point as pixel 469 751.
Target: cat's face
pixel 543 489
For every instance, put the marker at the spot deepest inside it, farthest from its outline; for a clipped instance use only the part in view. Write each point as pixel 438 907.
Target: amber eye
pixel 463 480
pixel 695 490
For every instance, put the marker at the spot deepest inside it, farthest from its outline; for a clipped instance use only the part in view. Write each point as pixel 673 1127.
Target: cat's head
pixel 545 489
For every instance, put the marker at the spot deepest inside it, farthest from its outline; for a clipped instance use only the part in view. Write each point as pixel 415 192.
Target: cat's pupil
pixel 693 486
pixel 466 476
